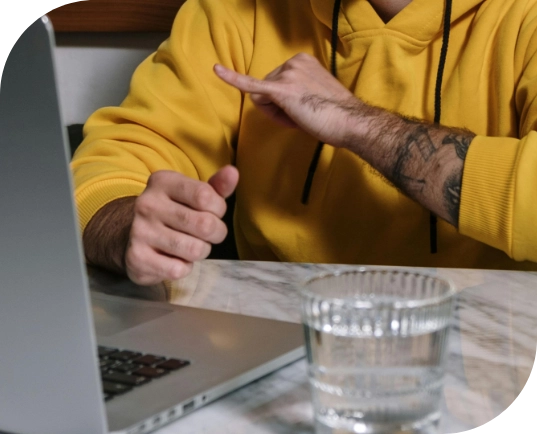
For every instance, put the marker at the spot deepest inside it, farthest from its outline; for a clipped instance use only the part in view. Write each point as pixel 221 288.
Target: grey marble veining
pixel 492 344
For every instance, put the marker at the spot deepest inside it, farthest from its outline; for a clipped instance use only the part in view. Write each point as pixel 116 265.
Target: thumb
pixel 225 180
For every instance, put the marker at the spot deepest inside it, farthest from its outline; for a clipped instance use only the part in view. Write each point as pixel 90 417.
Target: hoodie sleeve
pixel 178 114
pixel 499 186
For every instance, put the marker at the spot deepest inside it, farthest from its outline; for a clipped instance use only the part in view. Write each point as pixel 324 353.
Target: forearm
pixel 106 235
pixel 423 160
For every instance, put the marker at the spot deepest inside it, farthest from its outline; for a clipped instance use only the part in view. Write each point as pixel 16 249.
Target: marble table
pixel 492 344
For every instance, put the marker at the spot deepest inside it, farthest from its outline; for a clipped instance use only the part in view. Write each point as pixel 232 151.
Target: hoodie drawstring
pixel 433 232
pixel 333 69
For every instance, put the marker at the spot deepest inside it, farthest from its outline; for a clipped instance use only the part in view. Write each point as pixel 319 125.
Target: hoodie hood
pixel 421 20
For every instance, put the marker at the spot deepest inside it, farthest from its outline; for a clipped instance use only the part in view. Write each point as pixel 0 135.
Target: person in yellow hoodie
pixel 429 109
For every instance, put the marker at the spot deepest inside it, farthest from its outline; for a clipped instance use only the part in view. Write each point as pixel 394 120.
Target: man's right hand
pixel 170 225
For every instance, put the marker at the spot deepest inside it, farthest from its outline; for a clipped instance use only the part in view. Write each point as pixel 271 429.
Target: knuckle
pixel 134 275
pixel 154 179
pixel 178 270
pixel 286 66
pixel 291 74
pixel 174 245
pixel 183 247
pixel 145 280
pixel 134 261
pixel 221 233
pixel 222 208
pixel 219 207
pixel 203 196
pixel 144 205
pixel 135 230
pixel 305 57
pixel 158 177
pixel 299 59
pixel 205 225
pixel 183 217
pixel 195 249
pixel 205 251
pixel 134 257
pixel 138 233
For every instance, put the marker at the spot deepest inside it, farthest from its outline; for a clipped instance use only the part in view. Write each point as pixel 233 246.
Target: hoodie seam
pixel 386 29
pixel 385 33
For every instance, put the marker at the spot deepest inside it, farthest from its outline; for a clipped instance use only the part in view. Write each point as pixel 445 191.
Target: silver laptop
pixel 157 362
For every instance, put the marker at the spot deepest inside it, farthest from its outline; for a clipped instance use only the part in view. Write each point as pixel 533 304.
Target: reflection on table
pixel 492 344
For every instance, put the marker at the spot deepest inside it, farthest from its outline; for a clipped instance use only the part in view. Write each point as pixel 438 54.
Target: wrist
pixel 107 234
pixel 370 132
pixel 354 124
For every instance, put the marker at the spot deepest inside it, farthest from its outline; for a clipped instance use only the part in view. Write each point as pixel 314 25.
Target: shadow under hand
pixel 114 284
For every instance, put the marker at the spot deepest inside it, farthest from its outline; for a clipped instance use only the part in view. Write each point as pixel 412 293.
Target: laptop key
pixel 126 367
pixel 149 359
pixel 120 377
pixel 115 388
pixel 173 364
pixel 125 355
pixel 106 351
pixel 107 363
pixel 148 371
pixel 121 370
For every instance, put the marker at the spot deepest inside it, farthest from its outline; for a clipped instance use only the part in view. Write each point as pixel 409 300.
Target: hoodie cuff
pixel 488 188
pixel 92 198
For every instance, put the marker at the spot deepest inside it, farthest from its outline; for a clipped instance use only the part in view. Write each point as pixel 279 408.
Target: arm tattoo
pixel 453 185
pixel 425 161
pixel 423 142
pixel 420 150
pixel 452 196
pixel 418 139
pixel 461 144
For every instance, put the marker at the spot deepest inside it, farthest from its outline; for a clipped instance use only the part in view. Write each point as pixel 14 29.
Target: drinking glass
pixel 376 341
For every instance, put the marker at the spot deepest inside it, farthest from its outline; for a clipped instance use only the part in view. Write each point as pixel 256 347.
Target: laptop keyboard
pixel 122 370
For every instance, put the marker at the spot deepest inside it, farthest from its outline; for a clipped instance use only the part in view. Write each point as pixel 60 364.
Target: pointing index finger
pixel 242 82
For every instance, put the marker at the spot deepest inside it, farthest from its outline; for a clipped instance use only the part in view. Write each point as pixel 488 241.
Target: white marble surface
pixel 492 344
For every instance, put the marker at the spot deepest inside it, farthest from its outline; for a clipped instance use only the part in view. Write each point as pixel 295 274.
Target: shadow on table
pixel 114 284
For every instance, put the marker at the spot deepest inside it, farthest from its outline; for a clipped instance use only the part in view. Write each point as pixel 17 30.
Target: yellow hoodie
pixel 180 116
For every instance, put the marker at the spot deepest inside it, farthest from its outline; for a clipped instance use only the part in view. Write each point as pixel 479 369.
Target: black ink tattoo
pixel 423 142
pixel 413 185
pixel 420 139
pixel 452 196
pixel 461 144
